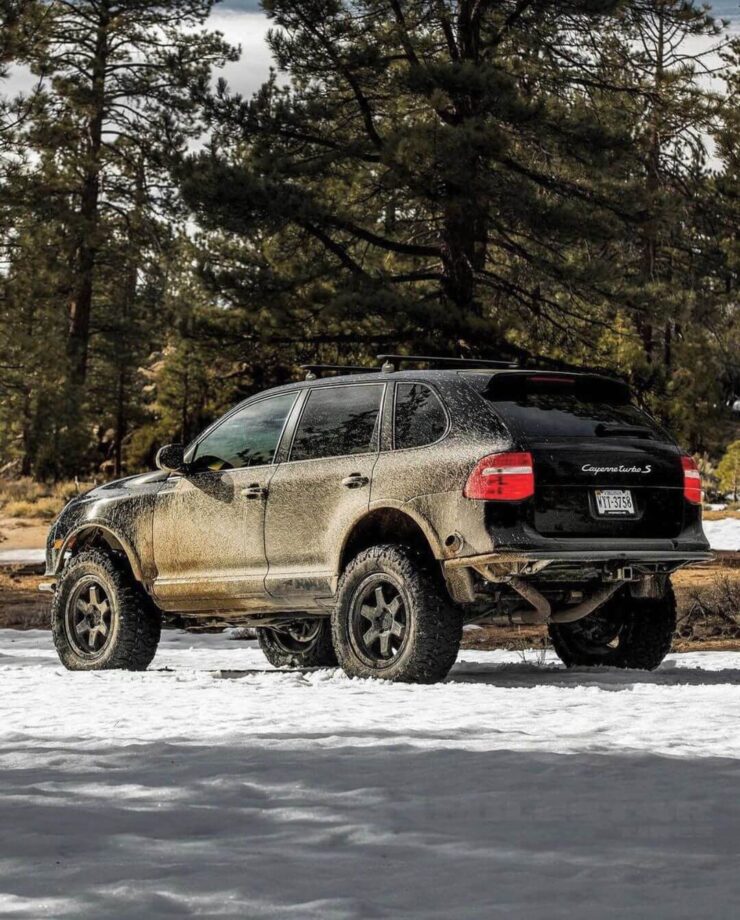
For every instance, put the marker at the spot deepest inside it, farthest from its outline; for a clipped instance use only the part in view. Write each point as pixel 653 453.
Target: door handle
pixel 355 481
pixel 254 491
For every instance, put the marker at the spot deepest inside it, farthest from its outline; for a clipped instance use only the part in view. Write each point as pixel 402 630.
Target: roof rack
pixel 313 370
pixel 392 362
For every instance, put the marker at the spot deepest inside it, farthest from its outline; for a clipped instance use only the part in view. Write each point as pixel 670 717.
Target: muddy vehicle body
pixel 366 518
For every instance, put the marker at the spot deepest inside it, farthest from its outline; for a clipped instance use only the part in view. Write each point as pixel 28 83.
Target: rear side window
pixel 419 417
pixel 338 421
pixel 581 407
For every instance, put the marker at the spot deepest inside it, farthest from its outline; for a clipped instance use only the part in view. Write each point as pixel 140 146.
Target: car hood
pixel 126 485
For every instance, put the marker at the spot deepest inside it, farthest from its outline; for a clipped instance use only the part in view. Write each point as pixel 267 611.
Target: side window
pixel 419 416
pixel 246 438
pixel 337 421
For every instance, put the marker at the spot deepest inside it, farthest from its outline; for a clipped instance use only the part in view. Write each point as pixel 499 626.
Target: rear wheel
pixel 100 617
pixel 307 644
pixel 626 632
pixel 392 619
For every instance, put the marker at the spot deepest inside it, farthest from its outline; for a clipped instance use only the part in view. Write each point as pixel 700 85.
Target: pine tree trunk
pixel 464 233
pixel 80 306
pixel 652 186
pixel 128 303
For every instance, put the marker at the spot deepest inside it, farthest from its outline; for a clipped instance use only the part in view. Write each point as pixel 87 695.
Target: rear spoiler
pixel 517 384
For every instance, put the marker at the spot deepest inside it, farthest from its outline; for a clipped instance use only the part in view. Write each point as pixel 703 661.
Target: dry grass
pixel 45 509
pixel 720 515
pixel 25 498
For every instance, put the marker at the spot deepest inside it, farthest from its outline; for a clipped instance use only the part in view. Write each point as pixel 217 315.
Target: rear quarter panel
pixel 427 482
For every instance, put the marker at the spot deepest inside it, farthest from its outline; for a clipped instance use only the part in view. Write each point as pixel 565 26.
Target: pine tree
pixel 120 78
pixel 430 163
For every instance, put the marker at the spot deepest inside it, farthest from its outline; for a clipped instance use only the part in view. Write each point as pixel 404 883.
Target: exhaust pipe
pixel 542 611
pixel 542 607
pixel 571 614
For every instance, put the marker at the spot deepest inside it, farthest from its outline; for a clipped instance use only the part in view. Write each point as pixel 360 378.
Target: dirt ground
pixel 23 607
pixel 22 533
pixel 21 604
pixel 686 583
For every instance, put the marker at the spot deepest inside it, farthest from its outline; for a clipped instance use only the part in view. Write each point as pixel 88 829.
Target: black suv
pixel 364 519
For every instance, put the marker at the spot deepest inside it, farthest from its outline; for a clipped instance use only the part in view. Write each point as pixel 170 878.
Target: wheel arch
pixel 99 535
pixel 388 524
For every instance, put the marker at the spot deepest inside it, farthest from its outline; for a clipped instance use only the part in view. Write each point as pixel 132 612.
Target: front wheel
pixel 306 644
pixel 626 632
pixel 393 620
pixel 100 617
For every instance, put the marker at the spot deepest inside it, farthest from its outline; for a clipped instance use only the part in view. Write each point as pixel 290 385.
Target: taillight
pixel 502 478
pixel 691 480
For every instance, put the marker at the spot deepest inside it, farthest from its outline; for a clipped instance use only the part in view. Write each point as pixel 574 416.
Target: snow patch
pixel 723 534
pixel 213 785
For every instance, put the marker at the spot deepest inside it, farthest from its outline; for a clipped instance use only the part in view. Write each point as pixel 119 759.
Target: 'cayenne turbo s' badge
pixel 589 468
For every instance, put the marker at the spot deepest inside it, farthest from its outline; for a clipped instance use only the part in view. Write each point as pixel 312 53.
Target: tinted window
pixel 337 421
pixel 562 415
pixel 249 437
pixel 420 418
pixel 543 407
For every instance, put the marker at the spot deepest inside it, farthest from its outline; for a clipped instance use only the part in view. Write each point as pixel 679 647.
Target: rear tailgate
pixel 603 468
pixel 571 476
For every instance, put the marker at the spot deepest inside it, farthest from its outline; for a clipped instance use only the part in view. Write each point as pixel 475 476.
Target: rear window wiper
pixel 623 431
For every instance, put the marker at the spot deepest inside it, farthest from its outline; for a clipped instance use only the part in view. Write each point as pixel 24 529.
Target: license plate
pixel 614 502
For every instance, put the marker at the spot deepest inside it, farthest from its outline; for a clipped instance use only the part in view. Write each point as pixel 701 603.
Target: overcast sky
pixel 244 24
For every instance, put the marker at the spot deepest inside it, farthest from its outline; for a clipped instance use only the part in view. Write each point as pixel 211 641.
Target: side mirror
pixel 171 458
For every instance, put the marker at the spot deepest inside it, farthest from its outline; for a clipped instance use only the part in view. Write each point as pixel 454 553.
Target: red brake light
pixel 691 480
pixel 502 478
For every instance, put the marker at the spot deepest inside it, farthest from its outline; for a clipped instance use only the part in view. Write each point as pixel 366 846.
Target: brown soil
pixel 21 604
pixel 684 583
pixel 23 607
pixel 22 533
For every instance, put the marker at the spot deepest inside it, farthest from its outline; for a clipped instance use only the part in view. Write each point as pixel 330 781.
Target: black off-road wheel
pixel 306 645
pixel 101 619
pixel 393 619
pixel 626 632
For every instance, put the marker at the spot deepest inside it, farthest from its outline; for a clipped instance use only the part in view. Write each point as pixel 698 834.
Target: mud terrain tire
pixel 101 619
pixel 286 651
pixel 642 631
pixel 393 619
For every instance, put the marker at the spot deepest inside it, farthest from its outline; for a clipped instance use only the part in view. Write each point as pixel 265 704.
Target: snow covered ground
pixel 723 534
pixel 213 786
pixel 21 556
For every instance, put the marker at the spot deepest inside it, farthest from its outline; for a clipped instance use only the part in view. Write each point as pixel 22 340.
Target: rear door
pixel 322 488
pixel 603 467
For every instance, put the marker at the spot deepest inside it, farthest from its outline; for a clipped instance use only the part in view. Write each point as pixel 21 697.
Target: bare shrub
pixel 711 611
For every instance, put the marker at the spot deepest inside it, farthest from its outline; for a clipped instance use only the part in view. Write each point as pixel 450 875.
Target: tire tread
pixel 438 626
pixel 140 621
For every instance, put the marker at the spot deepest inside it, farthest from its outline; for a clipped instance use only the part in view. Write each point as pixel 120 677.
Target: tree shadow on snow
pixel 530 675
pixel 289 828
pixel 522 675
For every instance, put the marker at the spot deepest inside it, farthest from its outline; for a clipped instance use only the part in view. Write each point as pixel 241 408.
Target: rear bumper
pixel 587 554
pixel 690 543
pixel 524 544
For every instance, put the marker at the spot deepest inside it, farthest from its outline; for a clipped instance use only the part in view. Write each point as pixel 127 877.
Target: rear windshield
pixel 553 410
